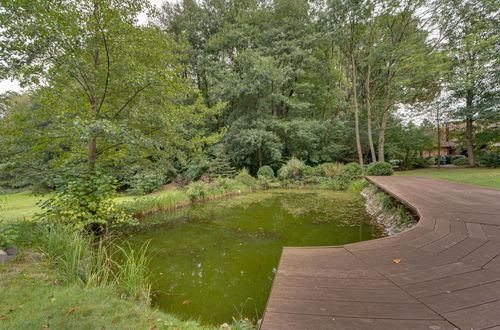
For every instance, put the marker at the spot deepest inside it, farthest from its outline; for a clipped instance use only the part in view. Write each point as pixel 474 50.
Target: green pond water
pixel 215 260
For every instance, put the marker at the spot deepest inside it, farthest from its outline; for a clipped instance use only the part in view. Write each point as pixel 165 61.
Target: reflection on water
pixel 216 260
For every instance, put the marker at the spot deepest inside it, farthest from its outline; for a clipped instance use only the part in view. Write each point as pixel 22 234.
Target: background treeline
pixel 254 82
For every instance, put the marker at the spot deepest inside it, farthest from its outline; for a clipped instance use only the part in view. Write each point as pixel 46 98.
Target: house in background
pixel 450 143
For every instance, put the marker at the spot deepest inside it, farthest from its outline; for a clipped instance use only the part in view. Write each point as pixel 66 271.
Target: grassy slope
pixel 486 177
pixel 32 299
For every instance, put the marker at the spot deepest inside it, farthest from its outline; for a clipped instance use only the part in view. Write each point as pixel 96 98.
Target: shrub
pixel 455 157
pixel 293 169
pixel 265 172
pixel 448 159
pixel 380 168
pixel 490 160
pixel 245 178
pixel 396 162
pixel 194 171
pixel 331 170
pixel 350 172
pixel 197 190
pixel 86 203
pixel 147 181
pixel 461 161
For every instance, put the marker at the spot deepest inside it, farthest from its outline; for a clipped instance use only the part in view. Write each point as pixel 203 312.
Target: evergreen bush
pixel 461 161
pixel 221 166
pixel 350 172
pixel 490 160
pixel 380 168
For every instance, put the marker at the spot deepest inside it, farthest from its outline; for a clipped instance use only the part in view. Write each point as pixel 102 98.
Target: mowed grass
pixel 32 298
pixel 486 177
pixel 19 205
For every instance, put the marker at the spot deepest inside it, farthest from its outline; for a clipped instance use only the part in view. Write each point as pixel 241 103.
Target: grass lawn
pixel 19 205
pixel 32 298
pixel 486 177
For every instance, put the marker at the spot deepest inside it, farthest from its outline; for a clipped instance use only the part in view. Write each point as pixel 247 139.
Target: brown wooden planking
pixel 448 276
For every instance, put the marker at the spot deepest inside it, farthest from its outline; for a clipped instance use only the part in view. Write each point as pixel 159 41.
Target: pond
pixel 215 260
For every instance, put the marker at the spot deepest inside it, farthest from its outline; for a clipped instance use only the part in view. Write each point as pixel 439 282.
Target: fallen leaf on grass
pixel 71 310
pixel 45 325
pixel 10 311
pixel 396 261
pixel 185 302
pixel 3 317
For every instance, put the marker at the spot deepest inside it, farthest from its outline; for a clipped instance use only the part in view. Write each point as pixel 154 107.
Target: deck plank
pixel 448 276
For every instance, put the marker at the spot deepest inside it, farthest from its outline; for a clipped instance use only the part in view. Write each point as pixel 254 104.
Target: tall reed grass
pixel 92 264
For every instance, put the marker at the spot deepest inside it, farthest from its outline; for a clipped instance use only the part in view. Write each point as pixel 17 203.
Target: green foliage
pixel 490 160
pixel 221 167
pixel 82 261
pixel 293 169
pixel 8 234
pixel 194 171
pixel 245 178
pixel 147 181
pixel 350 172
pixel 265 172
pixel 357 186
pixel 380 168
pixel 197 190
pixel 85 203
pixel 331 170
pixel 460 161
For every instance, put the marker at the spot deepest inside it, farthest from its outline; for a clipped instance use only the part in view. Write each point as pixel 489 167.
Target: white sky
pixel 9 85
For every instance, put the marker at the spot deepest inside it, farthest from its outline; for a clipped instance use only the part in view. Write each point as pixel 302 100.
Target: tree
pixel 471 37
pixel 110 91
pixel 221 167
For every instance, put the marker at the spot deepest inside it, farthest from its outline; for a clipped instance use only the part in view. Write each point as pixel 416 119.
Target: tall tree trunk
pixel 369 112
pixel 356 111
pixel 92 153
pixel 469 134
pixel 385 117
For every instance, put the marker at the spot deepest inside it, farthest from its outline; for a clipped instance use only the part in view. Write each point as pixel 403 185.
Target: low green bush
pixel 265 172
pixel 461 161
pixel 147 181
pixel 197 190
pixel 490 160
pixel 455 157
pixel 350 172
pixel 245 178
pixel 293 169
pixel 380 168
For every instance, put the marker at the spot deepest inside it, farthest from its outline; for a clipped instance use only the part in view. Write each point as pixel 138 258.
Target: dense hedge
pixel 380 168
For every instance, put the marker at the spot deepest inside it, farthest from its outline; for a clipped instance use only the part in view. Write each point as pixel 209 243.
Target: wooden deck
pixel 448 276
